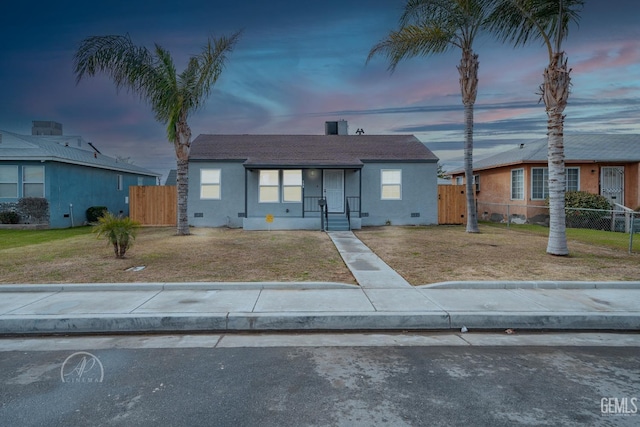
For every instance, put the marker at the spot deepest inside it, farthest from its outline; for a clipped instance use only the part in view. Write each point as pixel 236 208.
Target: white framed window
pixel 120 184
pixel 573 179
pixel 140 181
pixel 459 180
pixel 8 181
pixel 517 184
pixel 269 191
pixel 539 183
pixel 292 186
pixel 210 184
pixel 33 181
pixel 391 183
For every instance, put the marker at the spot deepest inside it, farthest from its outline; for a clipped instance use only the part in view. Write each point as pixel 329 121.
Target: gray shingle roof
pixel 310 150
pixel 621 148
pixel 15 147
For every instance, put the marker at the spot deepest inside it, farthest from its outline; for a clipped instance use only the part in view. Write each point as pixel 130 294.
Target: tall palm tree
pixel 152 76
pixel 435 26
pixel 518 21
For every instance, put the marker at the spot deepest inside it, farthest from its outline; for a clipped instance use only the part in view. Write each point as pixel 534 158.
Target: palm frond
pixel 520 21
pixel 117 57
pixel 412 41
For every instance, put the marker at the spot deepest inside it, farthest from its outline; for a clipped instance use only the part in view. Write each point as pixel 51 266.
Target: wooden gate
pixel 154 204
pixel 452 204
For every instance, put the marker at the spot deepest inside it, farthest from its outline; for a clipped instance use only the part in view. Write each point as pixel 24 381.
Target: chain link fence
pixel 618 219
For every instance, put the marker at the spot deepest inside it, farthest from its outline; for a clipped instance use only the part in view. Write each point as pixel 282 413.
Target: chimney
pixel 40 127
pixel 336 128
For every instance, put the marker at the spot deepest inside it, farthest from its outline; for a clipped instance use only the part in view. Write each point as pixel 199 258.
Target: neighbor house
pixel 596 163
pixel 282 181
pixel 67 171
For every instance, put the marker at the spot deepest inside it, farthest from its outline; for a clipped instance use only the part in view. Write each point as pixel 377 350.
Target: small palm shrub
pixel 117 230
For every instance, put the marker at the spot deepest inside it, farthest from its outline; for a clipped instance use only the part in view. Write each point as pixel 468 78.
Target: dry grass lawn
pixel 447 253
pixel 421 254
pixel 207 255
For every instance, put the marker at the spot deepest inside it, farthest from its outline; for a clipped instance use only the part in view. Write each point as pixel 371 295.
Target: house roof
pixel 15 147
pixel 310 150
pixel 581 148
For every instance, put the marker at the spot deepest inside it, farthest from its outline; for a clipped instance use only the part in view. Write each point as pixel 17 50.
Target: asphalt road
pixel 93 383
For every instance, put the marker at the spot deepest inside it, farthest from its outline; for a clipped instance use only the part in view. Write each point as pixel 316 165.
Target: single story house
pixel 597 163
pixel 261 182
pixel 67 171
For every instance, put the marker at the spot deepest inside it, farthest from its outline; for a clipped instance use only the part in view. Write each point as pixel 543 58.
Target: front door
pixel 334 189
pixel 612 184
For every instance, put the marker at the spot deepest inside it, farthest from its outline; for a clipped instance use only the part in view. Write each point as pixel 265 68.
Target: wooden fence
pixel 154 205
pixel 452 204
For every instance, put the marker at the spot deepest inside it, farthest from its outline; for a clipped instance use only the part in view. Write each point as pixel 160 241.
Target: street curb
pixel 314 322
pixel 530 285
pixel 172 286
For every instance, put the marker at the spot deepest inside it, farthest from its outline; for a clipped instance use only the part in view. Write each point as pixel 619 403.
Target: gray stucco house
pixel 67 171
pixel 261 182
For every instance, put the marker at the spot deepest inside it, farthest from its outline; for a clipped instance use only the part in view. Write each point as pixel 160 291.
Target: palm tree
pixel 152 76
pixel 435 26
pixel 518 21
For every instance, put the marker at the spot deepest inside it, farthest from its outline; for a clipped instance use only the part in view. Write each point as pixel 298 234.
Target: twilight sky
pixel 300 63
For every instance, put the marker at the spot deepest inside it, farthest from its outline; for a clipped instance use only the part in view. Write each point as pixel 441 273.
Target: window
pixel 8 181
pixel 539 183
pixel 517 184
pixel 120 184
pixel 292 186
pixel 573 179
pixel 33 181
pixel 140 181
pixel 269 186
pixel 476 182
pixel 391 180
pixel 458 180
pixel 210 184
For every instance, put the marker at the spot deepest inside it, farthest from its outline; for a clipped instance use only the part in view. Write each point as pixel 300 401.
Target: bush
pixel 35 208
pixel 585 200
pixel 9 218
pixel 119 231
pixel 95 212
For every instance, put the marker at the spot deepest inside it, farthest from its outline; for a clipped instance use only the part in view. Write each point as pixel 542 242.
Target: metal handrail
pixel 348 214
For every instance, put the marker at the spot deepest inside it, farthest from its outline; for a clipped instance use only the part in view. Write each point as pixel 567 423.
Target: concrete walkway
pixel 383 301
pixel 368 269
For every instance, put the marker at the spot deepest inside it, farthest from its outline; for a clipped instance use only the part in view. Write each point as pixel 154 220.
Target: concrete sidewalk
pixel 173 307
pixel 382 301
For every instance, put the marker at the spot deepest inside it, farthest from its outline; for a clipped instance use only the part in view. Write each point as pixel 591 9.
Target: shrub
pixel 95 212
pixel 119 231
pixel 9 218
pixel 35 208
pixel 585 200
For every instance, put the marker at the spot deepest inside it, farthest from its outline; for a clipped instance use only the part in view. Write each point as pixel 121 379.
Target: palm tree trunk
pixel 182 146
pixel 555 92
pixel 468 70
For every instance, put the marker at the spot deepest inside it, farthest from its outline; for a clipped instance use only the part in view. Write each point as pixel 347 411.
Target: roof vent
pixel 336 128
pixel 521 146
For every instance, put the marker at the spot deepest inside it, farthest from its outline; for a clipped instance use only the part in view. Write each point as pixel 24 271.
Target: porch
pixel 326 199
